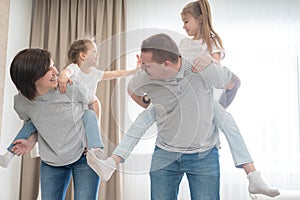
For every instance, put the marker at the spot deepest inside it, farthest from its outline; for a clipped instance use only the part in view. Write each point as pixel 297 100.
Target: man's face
pixel 156 70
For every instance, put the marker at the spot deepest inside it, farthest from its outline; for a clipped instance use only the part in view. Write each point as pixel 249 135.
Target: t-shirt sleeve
pixel 137 82
pixel 215 49
pixel 221 51
pixel 100 74
pixel 20 107
pixel 73 68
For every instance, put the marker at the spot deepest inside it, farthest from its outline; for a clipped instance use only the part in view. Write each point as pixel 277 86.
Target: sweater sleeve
pixel 137 82
pixel 20 107
pixel 217 75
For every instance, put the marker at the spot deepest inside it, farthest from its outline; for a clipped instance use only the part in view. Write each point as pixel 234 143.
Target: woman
pixel 58 119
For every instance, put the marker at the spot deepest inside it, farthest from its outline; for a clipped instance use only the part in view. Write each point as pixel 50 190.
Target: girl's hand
pixel 138 62
pixel 63 80
pixel 201 62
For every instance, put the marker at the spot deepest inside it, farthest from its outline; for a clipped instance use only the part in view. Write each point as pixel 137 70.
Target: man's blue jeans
pixel 202 171
pixel 55 181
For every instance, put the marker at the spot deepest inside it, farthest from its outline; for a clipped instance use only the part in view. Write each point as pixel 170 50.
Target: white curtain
pixel 262 45
pixel 55 25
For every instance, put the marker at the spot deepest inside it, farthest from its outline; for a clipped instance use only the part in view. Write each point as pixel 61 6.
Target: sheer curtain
pixel 262 45
pixel 55 24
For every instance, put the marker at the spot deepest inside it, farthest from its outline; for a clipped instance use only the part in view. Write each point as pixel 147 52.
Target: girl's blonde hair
pixel 202 8
pixel 78 46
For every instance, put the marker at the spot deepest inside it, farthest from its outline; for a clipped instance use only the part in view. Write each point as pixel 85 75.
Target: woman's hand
pixel 23 146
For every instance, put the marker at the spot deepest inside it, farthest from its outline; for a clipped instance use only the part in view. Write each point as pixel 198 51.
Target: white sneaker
pixel 97 152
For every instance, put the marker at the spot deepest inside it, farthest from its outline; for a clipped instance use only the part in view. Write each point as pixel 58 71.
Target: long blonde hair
pixel 208 34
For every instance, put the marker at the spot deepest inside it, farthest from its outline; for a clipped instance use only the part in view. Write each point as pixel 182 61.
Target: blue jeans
pixel 92 130
pixel 90 123
pixel 226 123
pixel 227 96
pixel 55 181
pixel 27 129
pixel 202 171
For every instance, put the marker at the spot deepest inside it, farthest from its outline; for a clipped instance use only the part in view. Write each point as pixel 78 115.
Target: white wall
pixel 18 38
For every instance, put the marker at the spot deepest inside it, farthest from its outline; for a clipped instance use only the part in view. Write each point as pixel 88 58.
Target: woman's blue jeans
pixel 202 171
pixel 55 181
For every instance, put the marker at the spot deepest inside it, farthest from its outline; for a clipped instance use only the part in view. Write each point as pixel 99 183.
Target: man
pixel 187 138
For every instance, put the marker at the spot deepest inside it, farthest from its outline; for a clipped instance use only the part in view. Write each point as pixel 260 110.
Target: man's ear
pixel 168 64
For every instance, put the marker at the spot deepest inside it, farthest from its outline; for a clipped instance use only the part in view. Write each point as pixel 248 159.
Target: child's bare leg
pixel 256 184
pixel 249 167
pixel 116 158
pixel 96 107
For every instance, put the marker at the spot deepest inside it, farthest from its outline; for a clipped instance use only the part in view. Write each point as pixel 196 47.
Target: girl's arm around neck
pixel 64 78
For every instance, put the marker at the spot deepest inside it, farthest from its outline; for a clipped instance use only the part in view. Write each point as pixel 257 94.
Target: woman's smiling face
pixel 48 81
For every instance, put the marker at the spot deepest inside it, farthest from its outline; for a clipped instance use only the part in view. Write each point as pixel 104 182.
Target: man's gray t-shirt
pixel 58 119
pixel 184 107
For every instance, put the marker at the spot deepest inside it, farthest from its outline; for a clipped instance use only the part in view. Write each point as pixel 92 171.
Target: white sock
pixel 258 186
pixel 98 152
pixel 6 158
pixel 104 168
pixel 108 167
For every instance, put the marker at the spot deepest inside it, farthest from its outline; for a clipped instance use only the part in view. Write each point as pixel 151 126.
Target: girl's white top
pixel 190 49
pixel 91 79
